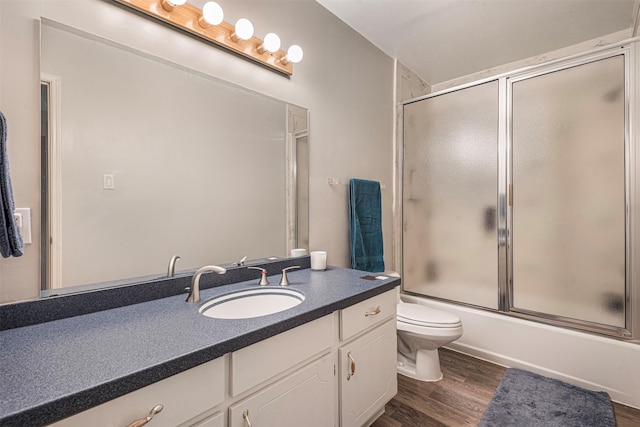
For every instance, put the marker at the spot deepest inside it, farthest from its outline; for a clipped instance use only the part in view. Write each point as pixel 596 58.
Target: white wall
pixel 345 82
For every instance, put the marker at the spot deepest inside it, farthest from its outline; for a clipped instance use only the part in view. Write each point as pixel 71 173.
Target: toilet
pixel 421 331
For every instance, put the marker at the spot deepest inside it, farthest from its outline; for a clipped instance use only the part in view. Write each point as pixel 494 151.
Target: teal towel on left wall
pixel 365 222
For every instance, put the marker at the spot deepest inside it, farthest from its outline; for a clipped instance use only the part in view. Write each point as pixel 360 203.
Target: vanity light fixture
pixel 208 24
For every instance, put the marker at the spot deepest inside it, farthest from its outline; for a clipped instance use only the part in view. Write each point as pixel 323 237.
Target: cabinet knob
pixel 245 415
pixel 142 421
pixel 372 313
pixel 352 367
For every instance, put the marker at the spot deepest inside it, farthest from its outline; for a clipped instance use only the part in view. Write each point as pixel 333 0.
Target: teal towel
pixel 365 221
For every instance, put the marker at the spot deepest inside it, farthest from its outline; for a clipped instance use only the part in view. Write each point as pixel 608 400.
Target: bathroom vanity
pixel 330 361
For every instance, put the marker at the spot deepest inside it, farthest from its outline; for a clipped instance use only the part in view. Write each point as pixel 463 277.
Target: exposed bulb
pixel 168 5
pixel 294 54
pixel 243 30
pixel 212 14
pixel 271 43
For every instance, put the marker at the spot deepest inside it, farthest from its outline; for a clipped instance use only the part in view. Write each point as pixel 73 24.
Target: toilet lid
pixel 420 315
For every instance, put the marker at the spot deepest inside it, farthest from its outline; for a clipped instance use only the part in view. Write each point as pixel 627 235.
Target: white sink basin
pixel 252 303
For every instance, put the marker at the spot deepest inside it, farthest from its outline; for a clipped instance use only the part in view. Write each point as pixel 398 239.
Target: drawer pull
pixel 352 367
pixel 245 415
pixel 373 313
pixel 142 421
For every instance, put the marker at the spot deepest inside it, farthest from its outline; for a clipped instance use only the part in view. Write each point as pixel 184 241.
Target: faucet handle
pixel 241 262
pixel 263 280
pixel 285 280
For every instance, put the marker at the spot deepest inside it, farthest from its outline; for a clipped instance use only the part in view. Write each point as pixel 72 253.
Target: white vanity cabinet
pixel 367 359
pixel 335 371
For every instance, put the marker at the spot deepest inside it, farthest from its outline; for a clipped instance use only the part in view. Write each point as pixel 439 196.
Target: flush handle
pixel 352 366
pixel 373 313
pixel 142 421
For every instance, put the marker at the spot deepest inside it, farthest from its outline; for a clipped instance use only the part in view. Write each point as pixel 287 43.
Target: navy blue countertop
pixel 51 370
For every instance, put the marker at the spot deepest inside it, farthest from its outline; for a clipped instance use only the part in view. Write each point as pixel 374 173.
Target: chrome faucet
pixel 194 292
pixel 171 270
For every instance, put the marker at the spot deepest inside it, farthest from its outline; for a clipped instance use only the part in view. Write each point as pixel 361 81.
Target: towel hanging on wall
pixel 365 222
pixel 10 238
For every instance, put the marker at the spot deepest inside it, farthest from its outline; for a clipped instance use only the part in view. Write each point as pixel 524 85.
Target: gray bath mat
pixel 526 399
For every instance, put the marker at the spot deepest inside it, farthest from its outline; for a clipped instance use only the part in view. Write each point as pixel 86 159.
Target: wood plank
pixel 460 398
pixel 626 416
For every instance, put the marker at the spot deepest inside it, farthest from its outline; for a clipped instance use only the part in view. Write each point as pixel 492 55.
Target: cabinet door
pixel 368 377
pixel 304 398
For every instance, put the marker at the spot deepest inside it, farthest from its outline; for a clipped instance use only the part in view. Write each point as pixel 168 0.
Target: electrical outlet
pixel 23 221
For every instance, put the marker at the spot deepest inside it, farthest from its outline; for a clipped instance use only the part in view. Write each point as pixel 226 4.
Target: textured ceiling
pixel 441 40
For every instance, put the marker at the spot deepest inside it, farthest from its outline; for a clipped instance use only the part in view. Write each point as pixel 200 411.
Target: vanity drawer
pixel 257 363
pixel 367 313
pixel 184 396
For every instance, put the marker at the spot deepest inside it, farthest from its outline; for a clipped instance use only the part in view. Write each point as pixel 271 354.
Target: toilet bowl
pixel 421 331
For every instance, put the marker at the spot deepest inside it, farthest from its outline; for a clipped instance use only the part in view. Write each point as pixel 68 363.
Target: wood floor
pixel 460 398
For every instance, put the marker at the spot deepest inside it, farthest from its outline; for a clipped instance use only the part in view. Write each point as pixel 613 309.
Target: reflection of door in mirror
pixel 50 165
pixel 297 183
pixel 155 160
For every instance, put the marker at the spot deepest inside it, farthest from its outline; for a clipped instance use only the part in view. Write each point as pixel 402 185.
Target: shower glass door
pixel 450 196
pixel 568 195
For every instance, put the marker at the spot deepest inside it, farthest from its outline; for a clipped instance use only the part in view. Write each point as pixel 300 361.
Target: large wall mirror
pixel 144 159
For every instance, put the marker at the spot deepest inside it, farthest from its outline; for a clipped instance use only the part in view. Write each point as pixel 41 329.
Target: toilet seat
pixel 419 315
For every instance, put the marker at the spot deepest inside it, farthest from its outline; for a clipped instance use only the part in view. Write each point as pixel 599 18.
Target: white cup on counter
pixel 318 260
pixel 298 252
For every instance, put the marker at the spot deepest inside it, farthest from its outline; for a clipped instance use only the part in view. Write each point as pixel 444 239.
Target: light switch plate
pixel 109 182
pixel 23 219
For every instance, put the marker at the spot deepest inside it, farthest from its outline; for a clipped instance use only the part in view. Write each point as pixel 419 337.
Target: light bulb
pixel 168 5
pixel 294 54
pixel 271 43
pixel 243 30
pixel 212 14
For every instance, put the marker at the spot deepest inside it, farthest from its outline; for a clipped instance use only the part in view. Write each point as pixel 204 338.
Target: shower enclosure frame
pixel 630 50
